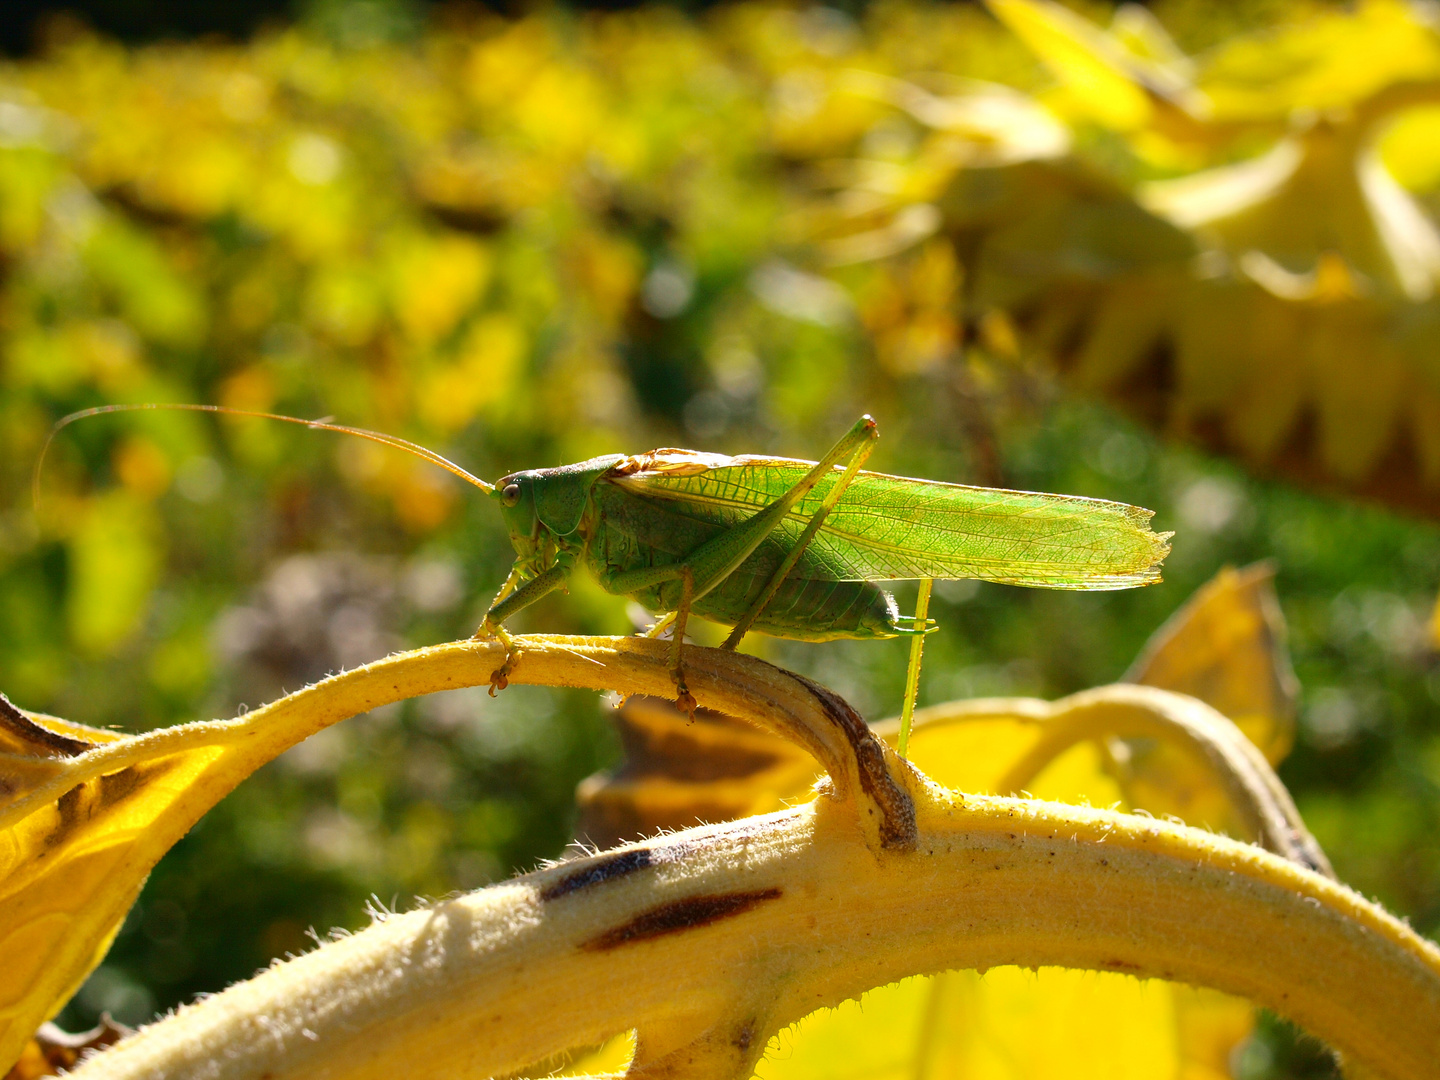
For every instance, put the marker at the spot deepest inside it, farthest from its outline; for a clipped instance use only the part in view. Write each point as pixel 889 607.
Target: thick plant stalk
pixel 79 831
pixel 1127 710
pixel 707 942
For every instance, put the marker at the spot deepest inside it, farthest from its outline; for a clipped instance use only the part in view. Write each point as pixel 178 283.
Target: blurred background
pixel 1181 255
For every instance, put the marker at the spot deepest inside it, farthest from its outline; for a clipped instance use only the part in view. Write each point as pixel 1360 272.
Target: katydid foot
pixel 500 677
pixel 684 700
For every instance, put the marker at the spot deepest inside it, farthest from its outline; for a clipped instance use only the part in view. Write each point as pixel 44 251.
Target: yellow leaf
pixel 1315 295
pixel 1330 61
pixel 984 1026
pixel 971 756
pixel 1226 646
pixel 611 1058
pixel 84 815
pixel 1425 432
pixel 1260 420
pixel 53 936
pixel 422 496
pixel 143 467
pixel 1209 1026
pixel 1219 332
pixel 70 868
pixel 1089 61
pixel 1359 383
pixel 344 303
pixel 1131 321
pixel 483 374
pixel 678 773
pixel 1410 148
pixel 201 179
pixel 1005 1024
pixel 250 388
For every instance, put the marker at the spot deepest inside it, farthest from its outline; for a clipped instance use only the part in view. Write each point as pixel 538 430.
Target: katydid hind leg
pixel 717 559
pixel 857 459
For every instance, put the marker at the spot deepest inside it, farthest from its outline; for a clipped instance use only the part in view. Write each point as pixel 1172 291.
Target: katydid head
pixel 516 495
pixel 537 502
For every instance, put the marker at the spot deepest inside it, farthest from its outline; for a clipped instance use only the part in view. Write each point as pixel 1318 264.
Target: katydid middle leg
pixel 715 560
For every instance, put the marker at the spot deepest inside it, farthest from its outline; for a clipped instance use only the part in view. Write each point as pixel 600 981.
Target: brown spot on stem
pixel 598 870
pixel 680 915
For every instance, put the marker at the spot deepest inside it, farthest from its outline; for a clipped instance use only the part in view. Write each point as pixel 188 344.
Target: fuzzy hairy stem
pixel 707 942
pixel 1127 710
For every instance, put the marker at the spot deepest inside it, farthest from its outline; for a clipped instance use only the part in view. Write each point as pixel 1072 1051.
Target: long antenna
pixel 323 425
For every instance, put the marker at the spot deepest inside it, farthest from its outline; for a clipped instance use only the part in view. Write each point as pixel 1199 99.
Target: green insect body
pixel 790 548
pixel 626 513
pixel 628 530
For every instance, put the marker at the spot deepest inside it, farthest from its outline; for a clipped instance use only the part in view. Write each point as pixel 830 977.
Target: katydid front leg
pixel 715 560
pixel 511 599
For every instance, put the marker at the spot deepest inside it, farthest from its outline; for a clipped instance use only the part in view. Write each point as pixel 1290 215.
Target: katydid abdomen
pixel 629 532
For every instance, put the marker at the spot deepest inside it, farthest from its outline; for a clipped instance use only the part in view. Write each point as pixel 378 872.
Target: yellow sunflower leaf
pixel 1226 646
pixel 1091 63
pixel 1005 1024
pixel 84 816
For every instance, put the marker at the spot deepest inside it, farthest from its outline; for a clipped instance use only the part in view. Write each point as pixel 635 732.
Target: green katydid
pixel 789 548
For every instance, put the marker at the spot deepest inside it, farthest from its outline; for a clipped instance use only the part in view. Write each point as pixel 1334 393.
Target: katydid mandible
pixel 788 548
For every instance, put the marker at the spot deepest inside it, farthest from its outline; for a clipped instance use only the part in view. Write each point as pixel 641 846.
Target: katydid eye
pixel 511 495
